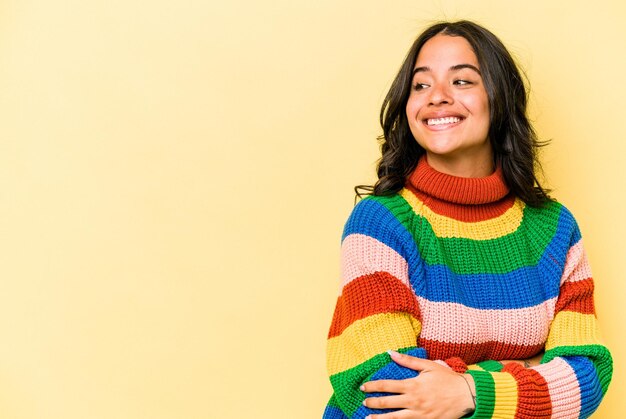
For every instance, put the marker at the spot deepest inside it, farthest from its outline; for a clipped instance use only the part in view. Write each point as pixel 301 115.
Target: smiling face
pixel 448 108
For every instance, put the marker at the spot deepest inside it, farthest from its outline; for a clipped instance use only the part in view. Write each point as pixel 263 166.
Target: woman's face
pixel 448 108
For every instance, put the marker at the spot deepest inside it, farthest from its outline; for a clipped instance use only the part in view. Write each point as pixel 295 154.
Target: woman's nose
pixel 440 94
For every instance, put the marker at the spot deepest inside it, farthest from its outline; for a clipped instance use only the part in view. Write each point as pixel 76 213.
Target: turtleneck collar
pixel 458 190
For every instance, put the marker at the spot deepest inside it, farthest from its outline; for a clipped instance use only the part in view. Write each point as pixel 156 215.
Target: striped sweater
pixel 460 271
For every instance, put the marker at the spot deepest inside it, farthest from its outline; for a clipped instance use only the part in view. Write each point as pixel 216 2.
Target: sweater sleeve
pixel 575 371
pixel 376 311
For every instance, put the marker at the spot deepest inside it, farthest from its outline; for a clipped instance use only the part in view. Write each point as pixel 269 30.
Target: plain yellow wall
pixel 174 178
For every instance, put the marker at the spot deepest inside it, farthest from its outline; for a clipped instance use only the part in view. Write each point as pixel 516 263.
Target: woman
pixel 465 288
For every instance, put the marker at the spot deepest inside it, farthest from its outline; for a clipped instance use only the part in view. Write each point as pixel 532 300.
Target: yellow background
pixel 174 178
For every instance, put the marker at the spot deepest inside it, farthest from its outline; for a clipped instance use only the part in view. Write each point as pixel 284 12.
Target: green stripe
pixel 485 393
pixel 346 384
pixel 599 355
pixel 491 365
pixel 524 247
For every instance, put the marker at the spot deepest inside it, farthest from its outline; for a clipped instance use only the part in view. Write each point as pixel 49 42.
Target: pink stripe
pixel 363 255
pixel 563 388
pixel 457 323
pixel 576 265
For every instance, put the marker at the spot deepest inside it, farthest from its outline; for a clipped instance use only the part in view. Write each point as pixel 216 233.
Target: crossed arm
pixel 437 392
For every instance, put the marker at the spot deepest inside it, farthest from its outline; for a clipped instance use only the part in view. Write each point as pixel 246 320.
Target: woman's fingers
pixel 385 386
pixel 398 401
pixel 417 364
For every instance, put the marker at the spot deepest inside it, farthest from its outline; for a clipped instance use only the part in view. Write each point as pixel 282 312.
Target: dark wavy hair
pixel 511 134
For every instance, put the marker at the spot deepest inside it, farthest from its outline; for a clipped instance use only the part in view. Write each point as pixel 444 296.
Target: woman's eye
pixel 420 86
pixel 462 82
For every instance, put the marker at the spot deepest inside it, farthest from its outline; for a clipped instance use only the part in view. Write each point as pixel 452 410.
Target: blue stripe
pixel 524 287
pixel 371 218
pixel 331 412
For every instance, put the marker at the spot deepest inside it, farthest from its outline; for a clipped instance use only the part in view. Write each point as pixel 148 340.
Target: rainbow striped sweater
pixel 460 271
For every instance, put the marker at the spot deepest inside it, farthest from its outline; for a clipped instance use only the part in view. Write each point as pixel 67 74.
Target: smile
pixel 443 121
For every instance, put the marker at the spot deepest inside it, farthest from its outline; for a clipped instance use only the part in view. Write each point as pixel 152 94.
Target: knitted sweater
pixel 460 271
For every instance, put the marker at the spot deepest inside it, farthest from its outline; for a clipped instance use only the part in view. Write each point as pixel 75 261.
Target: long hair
pixel 511 134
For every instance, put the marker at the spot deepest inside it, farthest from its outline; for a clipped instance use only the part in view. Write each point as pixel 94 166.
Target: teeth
pixel 441 121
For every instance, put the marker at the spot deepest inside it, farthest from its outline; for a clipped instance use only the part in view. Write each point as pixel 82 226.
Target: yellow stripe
pixel 506 395
pixel 571 329
pixel 369 337
pixel 443 226
pixel 475 367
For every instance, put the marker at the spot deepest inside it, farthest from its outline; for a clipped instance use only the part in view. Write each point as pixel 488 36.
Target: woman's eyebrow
pixel 462 66
pixel 453 68
pixel 420 70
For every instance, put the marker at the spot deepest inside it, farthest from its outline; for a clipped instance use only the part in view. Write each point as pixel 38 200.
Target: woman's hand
pixel 437 392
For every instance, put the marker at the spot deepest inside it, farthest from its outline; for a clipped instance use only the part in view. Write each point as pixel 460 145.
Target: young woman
pixel 465 288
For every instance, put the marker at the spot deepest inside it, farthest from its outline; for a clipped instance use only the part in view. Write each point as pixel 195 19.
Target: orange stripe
pixel 576 296
pixel 473 353
pixel 371 294
pixel 533 396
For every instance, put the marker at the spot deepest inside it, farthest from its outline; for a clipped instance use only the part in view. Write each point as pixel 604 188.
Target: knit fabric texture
pixel 460 271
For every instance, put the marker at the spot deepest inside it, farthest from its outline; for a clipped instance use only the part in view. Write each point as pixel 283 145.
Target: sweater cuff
pixel 487 386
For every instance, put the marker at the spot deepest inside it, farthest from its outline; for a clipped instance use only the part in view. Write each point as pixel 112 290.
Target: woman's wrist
pixel 469 380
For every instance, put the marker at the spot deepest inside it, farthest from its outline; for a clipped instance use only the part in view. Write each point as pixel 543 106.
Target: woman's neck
pixel 465 166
